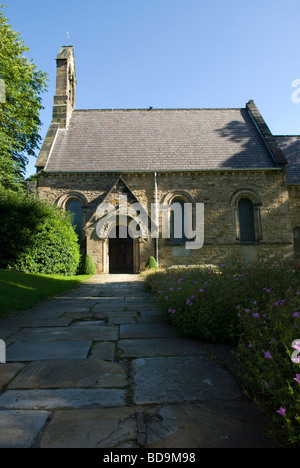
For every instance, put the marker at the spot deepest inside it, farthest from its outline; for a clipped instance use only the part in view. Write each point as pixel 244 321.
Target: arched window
pixel 177 222
pixel 246 204
pixel 296 234
pixel 246 220
pixel 74 207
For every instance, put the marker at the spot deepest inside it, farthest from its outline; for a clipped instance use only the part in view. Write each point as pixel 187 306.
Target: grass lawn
pixel 23 290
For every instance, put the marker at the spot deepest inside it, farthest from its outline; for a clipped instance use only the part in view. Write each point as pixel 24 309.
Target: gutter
pixel 163 171
pixel 156 217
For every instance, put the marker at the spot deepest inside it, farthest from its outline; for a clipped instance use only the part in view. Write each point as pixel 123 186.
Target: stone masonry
pixel 215 157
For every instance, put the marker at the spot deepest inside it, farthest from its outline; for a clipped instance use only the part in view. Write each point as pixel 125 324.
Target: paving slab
pixel 103 350
pixel 41 350
pixel 86 332
pixel 8 371
pixel 60 309
pixel 114 313
pixel 98 428
pixel 150 312
pixel 62 398
pixel 5 333
pixel 19 429
pixel 181 379
pixel 140 307
pixel 146 330
pixel 78 315
pixel 70 373
pixel 160 347
pixel 88 323
pixel 31 322
pixel 209 425
pixel 121 320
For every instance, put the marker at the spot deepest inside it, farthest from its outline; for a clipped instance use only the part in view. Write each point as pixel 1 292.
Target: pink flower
pixel 247 310
pixel 297 378
pixel 296 344
pixel 267 385
pixel 256 315
pixel 281 411
pixel 267 355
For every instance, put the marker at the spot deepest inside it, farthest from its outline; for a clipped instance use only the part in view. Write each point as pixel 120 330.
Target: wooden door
pixel 120 253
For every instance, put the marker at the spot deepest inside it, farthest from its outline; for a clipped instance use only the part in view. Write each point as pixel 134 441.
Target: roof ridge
pixel 164 109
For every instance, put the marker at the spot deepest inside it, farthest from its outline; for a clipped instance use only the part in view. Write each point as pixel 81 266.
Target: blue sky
pixel 169 53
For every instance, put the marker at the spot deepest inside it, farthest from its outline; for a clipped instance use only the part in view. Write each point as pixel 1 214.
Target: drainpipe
pixel 156 217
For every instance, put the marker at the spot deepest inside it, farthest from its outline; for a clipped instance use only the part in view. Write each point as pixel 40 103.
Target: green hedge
pixel 36 237
pixel 151 264
pixel 88 266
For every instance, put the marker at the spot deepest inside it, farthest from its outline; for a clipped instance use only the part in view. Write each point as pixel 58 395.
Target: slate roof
pixel 158 140
pixel 290 146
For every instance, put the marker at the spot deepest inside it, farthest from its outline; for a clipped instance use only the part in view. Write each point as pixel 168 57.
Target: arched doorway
pixel 120 250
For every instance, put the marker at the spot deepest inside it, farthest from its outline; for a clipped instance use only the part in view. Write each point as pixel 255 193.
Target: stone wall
pixel 215 189
pixel 294 200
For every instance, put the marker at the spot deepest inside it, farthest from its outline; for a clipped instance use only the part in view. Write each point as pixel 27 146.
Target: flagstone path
pixel 98 368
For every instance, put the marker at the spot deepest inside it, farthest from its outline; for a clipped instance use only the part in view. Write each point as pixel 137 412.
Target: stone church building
pixel 226 160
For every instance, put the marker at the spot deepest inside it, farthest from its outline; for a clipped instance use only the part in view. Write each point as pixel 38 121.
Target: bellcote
pixel 64 100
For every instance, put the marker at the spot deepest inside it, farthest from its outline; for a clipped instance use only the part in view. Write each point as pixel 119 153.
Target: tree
pixel 20 106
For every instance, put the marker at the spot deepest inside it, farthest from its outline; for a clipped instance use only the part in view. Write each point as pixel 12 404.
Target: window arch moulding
pixel 257 204
pixel 64 200
pixel 182 197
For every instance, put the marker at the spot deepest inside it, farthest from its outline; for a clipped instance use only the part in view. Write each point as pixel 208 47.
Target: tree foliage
pixel 20 107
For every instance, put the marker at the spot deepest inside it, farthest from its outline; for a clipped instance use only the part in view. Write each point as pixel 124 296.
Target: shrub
pixel 269 335
pixel 36 237
pixel 151 264
pixel 88 266
pixel 257 309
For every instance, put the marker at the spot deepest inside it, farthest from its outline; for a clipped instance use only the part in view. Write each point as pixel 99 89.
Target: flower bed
pixel 256 309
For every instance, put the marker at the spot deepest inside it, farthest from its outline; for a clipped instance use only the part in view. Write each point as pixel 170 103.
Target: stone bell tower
pixel 64 100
